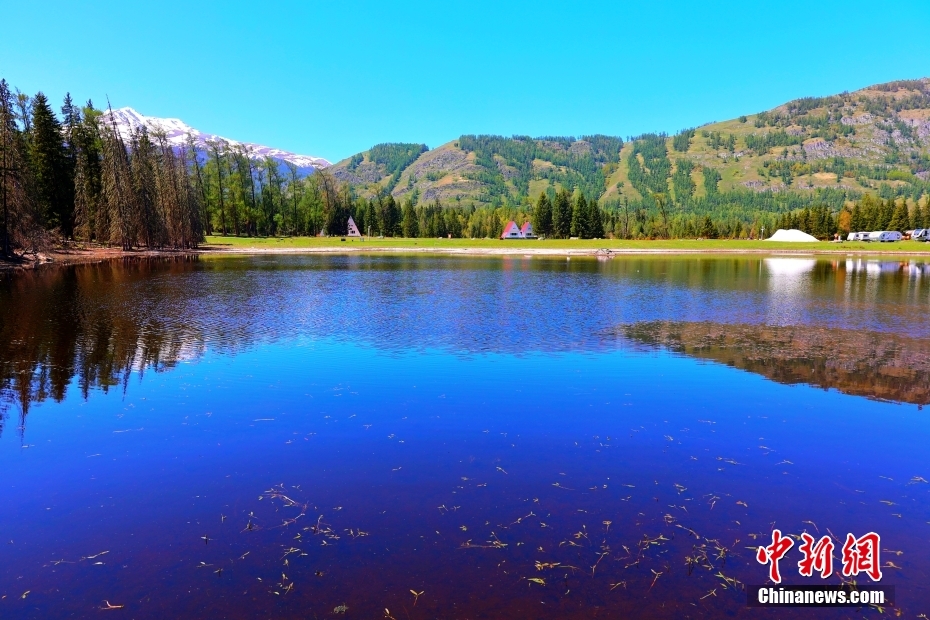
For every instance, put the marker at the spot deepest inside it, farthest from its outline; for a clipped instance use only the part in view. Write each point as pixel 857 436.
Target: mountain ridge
pixel 127 120
pixel 876 139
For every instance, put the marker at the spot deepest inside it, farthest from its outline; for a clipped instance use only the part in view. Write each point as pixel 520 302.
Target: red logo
pixel 816 557
pixel 773 553
pixel 860 555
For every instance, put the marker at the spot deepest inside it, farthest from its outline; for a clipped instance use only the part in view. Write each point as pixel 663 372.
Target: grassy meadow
pixel 574 245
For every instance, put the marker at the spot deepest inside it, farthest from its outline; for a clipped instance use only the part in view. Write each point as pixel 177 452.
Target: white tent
pixel 792 234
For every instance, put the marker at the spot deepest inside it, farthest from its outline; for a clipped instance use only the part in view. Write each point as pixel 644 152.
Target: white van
pixel 921 234
pixel 858 236
pixel 884 236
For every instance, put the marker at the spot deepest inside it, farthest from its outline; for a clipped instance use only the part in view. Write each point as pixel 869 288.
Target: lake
pixel 426 436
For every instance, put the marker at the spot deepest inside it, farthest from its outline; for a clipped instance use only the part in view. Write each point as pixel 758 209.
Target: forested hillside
pixel 805 160
pixel 484 170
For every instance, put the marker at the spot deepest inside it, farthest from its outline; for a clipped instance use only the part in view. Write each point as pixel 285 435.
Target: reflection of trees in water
pixel 876 365
pixel 84 323
pixel 94 325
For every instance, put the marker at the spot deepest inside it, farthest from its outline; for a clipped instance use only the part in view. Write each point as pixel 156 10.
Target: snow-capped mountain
pixel 176 130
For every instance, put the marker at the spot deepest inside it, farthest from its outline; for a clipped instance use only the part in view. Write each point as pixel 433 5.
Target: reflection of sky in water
pixel 789 286
pixel 379 390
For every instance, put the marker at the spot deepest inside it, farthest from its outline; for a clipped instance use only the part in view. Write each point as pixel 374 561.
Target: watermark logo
pixel 860 555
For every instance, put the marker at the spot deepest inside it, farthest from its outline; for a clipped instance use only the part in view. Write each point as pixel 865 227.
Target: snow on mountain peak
pixel 128 120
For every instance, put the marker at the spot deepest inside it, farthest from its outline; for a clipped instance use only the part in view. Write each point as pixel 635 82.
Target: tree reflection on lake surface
pixel 313 436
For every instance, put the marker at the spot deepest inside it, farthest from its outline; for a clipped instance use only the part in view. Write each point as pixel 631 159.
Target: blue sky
pixel 334 78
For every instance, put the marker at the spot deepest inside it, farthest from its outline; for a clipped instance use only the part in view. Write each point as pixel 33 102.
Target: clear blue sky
pixel 334 78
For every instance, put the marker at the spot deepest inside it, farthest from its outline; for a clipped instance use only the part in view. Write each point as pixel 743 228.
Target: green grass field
pixel 683 245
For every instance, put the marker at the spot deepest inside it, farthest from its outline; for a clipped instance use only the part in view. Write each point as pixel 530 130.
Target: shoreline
pixel 84 256
pixel 602 252
pixel 88 255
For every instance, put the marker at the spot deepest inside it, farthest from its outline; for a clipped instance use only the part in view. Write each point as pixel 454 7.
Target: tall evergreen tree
pixel 595 223
pixel 87 174
pixel 562 215
pixel 542 216
pixel 116 198
pixel 886 212
pixel 19 223
pixel 900 219
pixel 855 221
pixel 410 224
pixel 371 218
pixel 925 213
pixel 54 186
pixel 579 226
pixel 218 152
pixel 708 230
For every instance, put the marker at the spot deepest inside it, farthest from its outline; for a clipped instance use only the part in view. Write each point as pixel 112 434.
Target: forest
pixel 69 177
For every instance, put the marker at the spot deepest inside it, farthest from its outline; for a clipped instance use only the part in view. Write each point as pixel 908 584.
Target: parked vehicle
pixel 921 234
pixel 884 236
pixel 858 236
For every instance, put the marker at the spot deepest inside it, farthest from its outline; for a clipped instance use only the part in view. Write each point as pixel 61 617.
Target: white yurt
pixel 792 234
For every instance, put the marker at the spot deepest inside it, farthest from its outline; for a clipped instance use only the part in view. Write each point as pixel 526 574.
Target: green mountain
pixel 482 169
pixel 813 150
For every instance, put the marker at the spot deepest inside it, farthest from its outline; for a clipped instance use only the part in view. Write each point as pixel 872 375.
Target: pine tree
pixel 579 226
pixel 708 230
pixel 144 217
pixel 871 217
pixel 71 115
pixel 595 223
pixel 855 222
pixel 885 213
pixel 410 225
pixel 371 218
pixel 804 221
pixel 562 215
pixel 53 182
pixel 116 198
pixel 900 219
pixel 19 222
pixel 87 180
pixel 217 150
pixel 542 216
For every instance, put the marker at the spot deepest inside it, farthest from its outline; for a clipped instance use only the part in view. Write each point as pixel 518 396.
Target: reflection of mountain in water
pixel 876 365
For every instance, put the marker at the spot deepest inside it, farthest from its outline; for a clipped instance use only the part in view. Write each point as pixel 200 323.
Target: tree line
pixel 77 177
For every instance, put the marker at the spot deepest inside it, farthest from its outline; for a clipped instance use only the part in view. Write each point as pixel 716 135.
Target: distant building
pixel 353 229
pixel 512 231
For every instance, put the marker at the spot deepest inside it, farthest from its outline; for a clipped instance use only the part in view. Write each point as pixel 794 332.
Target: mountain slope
pixel 488 169
pixel 873 140
pixel 127 120
pixel 856 142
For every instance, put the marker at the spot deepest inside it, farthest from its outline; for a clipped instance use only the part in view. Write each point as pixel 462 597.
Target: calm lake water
pixel 448 437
